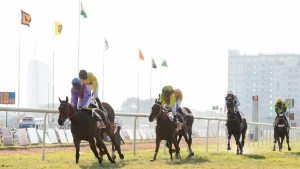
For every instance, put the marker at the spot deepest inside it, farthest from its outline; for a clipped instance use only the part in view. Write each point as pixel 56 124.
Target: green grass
pixel 254 158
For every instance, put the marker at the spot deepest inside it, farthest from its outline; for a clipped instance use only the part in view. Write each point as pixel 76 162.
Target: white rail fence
pixel 263 128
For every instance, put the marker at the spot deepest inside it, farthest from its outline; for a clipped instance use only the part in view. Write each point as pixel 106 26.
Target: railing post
pixel 134 136
pixel 249 135
pixel 44 135
pixel 207 129
pixel 218 135
pixel 263 134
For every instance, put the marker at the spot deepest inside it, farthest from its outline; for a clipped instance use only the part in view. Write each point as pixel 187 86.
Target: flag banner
pixel 25 18
pixel 82 12
pixel 141 55
pixel 58 28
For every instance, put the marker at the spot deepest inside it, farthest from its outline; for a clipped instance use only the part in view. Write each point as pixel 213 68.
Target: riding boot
pixel 99 104
pixel 175 120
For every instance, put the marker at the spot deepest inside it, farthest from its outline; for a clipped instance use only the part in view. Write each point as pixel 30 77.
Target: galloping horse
pixel 108 117
pixel 165 129
pixel 189 119
pixel 234 127
pixel 281 131
pixel 83 127
pixel 182 132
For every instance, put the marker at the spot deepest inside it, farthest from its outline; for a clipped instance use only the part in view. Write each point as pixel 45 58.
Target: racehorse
pixel 165 130
pixel 83 127
pixel 235 128
pixel 182 131
pixel 108 117
pixel 189 119
pixel 281 131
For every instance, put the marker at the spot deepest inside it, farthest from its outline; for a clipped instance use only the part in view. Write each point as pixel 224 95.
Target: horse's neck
pixel 74 117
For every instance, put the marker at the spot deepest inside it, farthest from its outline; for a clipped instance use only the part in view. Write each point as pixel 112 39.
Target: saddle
pixel 280 122
pixel 171 117
pixel 104 115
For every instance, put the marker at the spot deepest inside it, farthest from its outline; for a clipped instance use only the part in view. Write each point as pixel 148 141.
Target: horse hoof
pixel 192 153
pixel 152 160
pixel 274 149
pixel 113 157
pixel 121 156
pixel 241 153
pixel 289 149
pixel 113 162
pixel 228 148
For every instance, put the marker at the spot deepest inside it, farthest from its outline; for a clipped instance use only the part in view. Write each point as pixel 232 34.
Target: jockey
pixel 237 103
pixel 280 106
pixel 91 81
pixel 81 94
pixel 168 101
pixel 179 97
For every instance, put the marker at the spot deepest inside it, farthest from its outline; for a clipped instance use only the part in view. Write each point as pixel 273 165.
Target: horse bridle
pixel 159 110
pixel 68 111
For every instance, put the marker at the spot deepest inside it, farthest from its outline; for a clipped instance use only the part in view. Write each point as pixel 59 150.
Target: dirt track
pixel 85 147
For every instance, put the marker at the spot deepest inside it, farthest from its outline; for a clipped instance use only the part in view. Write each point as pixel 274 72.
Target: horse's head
pixel 156 109
pixel 64 111
pixel 230 106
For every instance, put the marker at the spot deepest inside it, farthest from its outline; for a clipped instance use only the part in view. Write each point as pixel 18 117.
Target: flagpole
pixel 138 85
pixel 53 68
pixel 78 38
pixel 103 74
pixel 151 79
pixel 19 65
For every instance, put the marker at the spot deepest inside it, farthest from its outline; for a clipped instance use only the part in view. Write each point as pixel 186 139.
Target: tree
pixel 130 105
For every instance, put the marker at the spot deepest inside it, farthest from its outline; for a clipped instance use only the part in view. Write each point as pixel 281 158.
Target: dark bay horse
pixel 281 131
pixel 182 132
pixel 165 129
pixel 234 128
pixel 83 127
pixel 189 119
pixel 108 117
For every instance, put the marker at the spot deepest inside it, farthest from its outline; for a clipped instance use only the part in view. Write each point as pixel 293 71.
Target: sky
pixel 192 36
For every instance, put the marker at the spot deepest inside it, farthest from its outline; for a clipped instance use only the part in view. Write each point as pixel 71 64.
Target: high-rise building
pixel 269 76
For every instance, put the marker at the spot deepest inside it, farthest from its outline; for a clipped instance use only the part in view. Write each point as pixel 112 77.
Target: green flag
pixel 164 64
pixel 82 12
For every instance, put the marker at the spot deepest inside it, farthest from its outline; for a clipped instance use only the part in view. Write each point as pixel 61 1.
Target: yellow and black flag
pixel 25 18
pixel 58 28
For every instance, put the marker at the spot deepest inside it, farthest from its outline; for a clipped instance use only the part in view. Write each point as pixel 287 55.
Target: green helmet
pixel 165 89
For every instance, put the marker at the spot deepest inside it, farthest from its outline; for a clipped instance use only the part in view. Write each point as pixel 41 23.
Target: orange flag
pixel 25 18
pixel 141 55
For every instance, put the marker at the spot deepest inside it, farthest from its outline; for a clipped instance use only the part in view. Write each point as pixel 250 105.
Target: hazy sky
pixel 192 36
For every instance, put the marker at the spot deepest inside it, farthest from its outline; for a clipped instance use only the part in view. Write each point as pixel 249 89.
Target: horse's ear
pixel 67 99
pixel 59 99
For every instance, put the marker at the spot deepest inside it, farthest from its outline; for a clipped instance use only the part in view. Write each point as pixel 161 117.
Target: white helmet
pixel 229 92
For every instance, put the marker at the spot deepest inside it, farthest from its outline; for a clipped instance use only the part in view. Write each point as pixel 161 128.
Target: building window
pixel 271 102
pixel 270 113
pixel 262 78
pixel 290 83
pixel 262 71
pixel 271 96
pixel 271 108
pixel 253 90
pixel 289 77
pixel 262 65
pixel 271 84
pixel 290 70
pixel 254 66
pixel 290 95
pixel 271 90
pixel 290 89
pixel 254 73
pixel 271 72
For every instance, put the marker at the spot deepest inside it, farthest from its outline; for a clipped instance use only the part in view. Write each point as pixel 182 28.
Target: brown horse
pixel 108 117
pixel 83 127
pixel 165 129
pixel 281 131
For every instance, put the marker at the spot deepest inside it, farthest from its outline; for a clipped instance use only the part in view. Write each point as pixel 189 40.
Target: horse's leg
pixel 179 138
pixel 102 146
pixel 188 143
pixel 228 142
pixel 101 153
pixel 77 146
pixel 275 140
pixel 157 148
pixel 238 144
pixel 118 148
pixel 94 149
pixel 243 138
pixel 281 141
pixel 288 140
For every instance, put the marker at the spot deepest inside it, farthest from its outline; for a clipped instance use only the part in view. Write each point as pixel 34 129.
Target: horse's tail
pixel 110 111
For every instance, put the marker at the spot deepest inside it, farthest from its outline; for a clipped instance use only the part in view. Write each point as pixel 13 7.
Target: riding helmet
pixel 76 81
pixel 82 74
